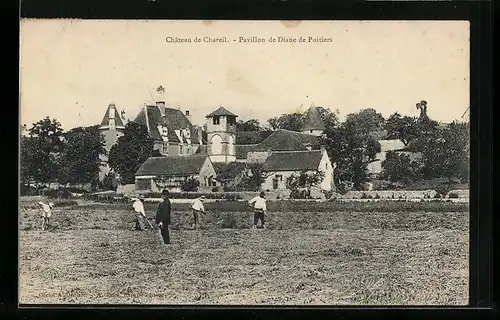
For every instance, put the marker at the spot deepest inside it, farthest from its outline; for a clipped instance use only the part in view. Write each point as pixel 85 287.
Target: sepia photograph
pixel 254 163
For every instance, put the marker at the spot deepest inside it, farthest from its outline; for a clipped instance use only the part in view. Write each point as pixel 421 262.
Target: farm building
pixel 280 165
pixel 171 172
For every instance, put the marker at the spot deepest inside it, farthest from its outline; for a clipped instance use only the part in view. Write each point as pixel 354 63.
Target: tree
pixel 191 184
pixel 39 148
pixel 400 168
pixel 254 177
pixel 287 121
pixel 110 182
pixel 249 125
pixel 80 157
pixel 352 146
pixel 48 135
pixel 446 152
pixel 365 122
pixel 402 128
pixel 330 119
pixel 130 152
pixel 305 179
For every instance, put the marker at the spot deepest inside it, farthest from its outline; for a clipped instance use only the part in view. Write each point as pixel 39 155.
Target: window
pixel 216 144
pixel 231 120
pixel 181 149
pixel 279 177
pixel 275 183
pixel 216 120
pixel 311 131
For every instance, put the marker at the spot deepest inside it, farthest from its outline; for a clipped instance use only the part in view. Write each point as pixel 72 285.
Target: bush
pixel 437 196
pixel 57 194
pixel 215 189
pixel 229 189
pixel 453 195
pixel 190 184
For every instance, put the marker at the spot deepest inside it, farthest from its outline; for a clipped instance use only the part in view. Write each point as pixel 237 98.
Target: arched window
pixel 216 143
pixel 231 147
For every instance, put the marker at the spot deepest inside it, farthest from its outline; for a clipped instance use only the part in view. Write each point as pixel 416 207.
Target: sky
pixel 71 70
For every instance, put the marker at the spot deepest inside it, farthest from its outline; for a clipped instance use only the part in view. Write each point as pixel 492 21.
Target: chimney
pixel 188 116
pixel 200 134
pixel 161 106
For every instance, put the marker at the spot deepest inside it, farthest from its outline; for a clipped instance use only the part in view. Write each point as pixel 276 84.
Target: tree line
pixel 48 154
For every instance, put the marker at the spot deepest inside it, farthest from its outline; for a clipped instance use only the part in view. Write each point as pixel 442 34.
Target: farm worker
pixel 163 216
pixel 259 208
pixel 46 213
pixel 197 207
pixel 139 213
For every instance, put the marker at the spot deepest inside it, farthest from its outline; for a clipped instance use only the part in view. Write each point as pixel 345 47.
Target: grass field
pixel 310 254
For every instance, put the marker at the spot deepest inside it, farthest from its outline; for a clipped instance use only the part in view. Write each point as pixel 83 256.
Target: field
pixel 310 254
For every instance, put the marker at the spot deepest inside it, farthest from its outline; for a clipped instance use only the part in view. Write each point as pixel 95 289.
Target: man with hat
pixel 139 212
pixel 197 207
pixel 163 216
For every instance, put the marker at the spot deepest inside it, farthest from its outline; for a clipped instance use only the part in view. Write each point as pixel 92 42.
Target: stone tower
pixel 221 135
pixel 112 126
pixel 313 124
pixel 111 129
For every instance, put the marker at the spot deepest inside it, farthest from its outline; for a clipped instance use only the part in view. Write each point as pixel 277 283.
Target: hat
pixel 202 196
pixel 165 192
pixel 141 197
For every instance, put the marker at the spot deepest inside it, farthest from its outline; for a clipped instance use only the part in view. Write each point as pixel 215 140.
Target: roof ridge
pixel 295 151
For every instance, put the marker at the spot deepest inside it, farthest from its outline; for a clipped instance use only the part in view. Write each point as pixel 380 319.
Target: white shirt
pixel 138 206
pixel 198 205
pixel 260 203
pixel 45 207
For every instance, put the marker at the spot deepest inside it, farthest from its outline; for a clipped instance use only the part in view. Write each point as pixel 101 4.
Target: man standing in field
pixel 139 212
pixel 197 207
pixel 259 208
pixel 46 213
pixel 163 216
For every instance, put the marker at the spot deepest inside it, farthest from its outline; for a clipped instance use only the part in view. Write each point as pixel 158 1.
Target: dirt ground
pixel 309 258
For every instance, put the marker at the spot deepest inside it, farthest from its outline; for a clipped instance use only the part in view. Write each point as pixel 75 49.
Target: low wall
pixel 386 194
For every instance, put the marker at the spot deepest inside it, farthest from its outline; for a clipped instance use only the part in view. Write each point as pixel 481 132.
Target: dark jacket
pixel 163 212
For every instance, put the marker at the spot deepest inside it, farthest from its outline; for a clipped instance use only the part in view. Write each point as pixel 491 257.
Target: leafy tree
pixel 287 121
pixel 130 152
pixel 402 128
pixel 400 168
pixel 352 146
pixel 39 148
pixel 330 119
pixel 47 134
pixel 80 157
pixel 305 179
pixel 249 125
pixel 191 184
pixel 254 177
pixel 365 122
pixel 446 152
pixel 110 181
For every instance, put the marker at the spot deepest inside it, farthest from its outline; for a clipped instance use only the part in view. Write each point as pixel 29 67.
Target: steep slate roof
pixel 286 140
pixel 313 120
pixel 221 112
pixel 391 145
pixel 202 149
pixel 293 161
pixel 118 119
pixel 172 166
pixel 174 119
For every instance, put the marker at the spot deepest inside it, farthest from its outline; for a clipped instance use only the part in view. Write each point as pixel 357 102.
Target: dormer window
pixel 216 120
pixel 111 123
pixel 164 131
